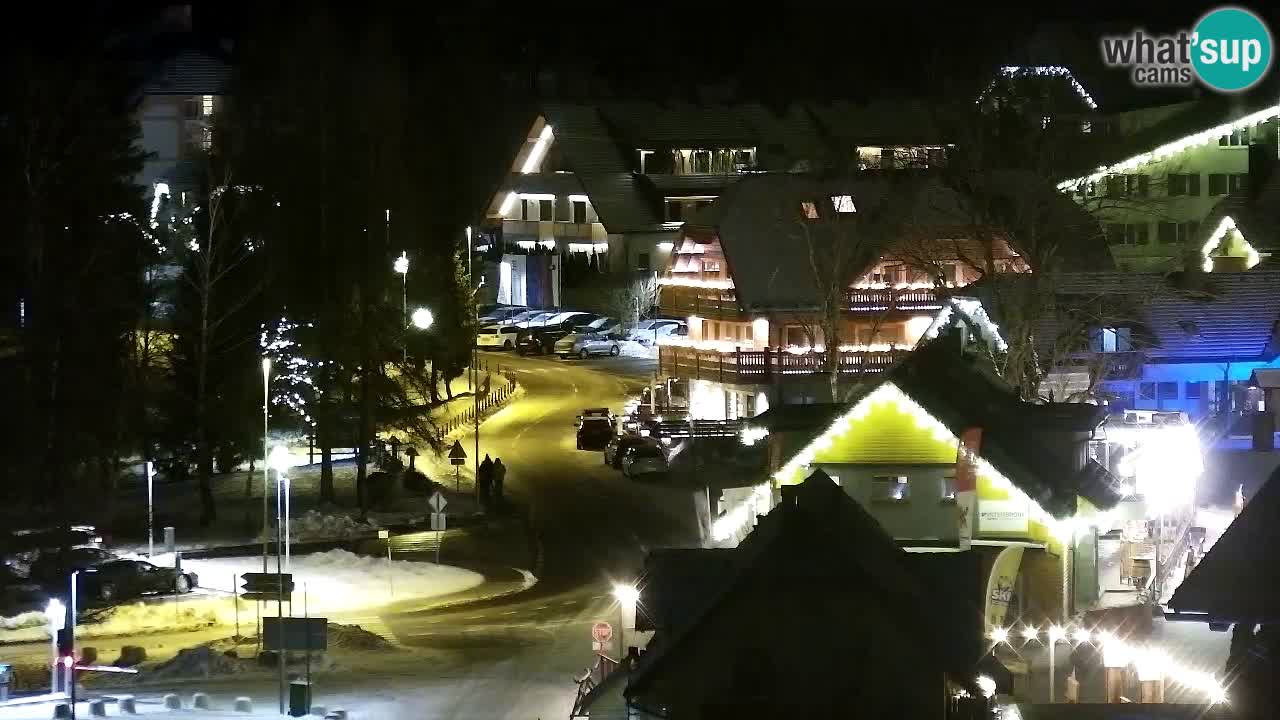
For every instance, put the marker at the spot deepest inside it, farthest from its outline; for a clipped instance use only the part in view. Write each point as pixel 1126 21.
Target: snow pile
pixel 154 617
pixel 631 348
pixel 354 637
pixel 317 525
pixel 201 661
pixel 340 581
pixel 32 618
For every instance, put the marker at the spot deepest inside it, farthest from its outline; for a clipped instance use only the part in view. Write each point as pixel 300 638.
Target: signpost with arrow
pixel 437 503
pixel 457 457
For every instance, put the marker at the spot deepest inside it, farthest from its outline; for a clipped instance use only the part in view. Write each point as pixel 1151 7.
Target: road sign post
pixel 457 456
pixel 438 504
pixel 267 586
pixel 601 634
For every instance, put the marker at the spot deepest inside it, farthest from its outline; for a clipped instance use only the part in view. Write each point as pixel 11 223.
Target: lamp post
pixel 401 266
pixel 56 613
pixel 281 461
pixel 1056 634
pixel 475 370
pixel 151 534
pixel 266 465
pixel 627 597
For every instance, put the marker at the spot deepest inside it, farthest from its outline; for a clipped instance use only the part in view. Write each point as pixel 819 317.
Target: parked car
pixel 595 428
pixel 53 567
pixel 618 447
pixel 542 339
pixel 116 580
pixel 643 460
pixel 537 319
pixel 497 337
pixel 500 315
pixel 650 331
pixel 584 345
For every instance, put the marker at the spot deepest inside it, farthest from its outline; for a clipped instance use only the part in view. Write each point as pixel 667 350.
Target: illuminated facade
pixel 743 276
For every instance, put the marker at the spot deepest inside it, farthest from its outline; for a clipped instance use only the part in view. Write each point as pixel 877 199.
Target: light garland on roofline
pixel 973 310
pixel 689 282
pixel 1163 151
pixel 1011 71
pixel 1225 226
pixel 868 285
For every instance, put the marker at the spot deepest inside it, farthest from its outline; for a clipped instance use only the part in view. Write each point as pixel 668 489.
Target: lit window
pixel 949 489
pixel 890 489
pixel 809 210
pixel 206 105
pixel 843 203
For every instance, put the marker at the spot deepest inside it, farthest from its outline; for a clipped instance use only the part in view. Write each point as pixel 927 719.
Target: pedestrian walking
pixel 484 481
pixel 499 477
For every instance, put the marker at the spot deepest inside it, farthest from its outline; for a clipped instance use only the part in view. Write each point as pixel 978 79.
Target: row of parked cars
pixel 567 333
pixel 105 578
pixel 634 453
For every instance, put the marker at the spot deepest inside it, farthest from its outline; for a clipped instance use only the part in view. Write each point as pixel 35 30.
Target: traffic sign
pixel 437 502
pixel 437 522
pixel 602 632
pixel 292 633
pixel 457 456
pixel 266 586
pixel 384 534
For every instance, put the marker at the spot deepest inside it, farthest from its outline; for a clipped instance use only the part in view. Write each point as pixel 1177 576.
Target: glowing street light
pixel 56 613
pixel 628 596
pixel 999 635
pixel 281 461
pixel 1030 633
pixel 1081 635
pixel 422 318
pixel 401 265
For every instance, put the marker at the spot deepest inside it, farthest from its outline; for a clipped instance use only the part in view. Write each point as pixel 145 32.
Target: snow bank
pixel 201 661
pixel 631 348
pixel 33 618
pixel 340 581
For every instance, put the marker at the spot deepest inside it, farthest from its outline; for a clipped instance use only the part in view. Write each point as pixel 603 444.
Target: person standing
pixel 499 477
pixel 484 481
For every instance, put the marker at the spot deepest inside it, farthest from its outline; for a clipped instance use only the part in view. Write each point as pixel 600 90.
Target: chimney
pixel 1262 158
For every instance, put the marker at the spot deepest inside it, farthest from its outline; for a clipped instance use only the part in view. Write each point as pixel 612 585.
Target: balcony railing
pixel 723 304
pixel 759 366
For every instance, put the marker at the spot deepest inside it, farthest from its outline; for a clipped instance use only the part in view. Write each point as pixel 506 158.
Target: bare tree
pixel 633 300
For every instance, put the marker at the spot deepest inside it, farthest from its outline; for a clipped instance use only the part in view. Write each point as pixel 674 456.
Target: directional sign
pixel 437 502
pixel 266 586
pixel 437 522
pixel 602 632
pixel 457 456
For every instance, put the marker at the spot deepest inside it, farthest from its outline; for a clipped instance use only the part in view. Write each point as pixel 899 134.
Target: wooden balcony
pixel 717 304
pixel 865 300
pixel 762 366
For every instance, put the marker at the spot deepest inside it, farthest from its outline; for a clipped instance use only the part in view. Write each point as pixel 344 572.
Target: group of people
pixel 492 475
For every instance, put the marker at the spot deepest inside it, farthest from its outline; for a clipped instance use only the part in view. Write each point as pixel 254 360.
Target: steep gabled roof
pixel 1027 443
pixel 190 72
pixel 1254 212
pixel 819 531
pixel 1239 578
pixel 767 244
pixel 1184 317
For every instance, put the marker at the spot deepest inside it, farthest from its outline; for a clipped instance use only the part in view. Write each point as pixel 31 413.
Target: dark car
pixel 55 566
pixel 542 339
pixel 618 447
pixel 117 580
pixel 594 429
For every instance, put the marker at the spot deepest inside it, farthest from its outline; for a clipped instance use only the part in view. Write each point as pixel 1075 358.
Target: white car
pixel 497 337
pixel 644 460
pixel 650 331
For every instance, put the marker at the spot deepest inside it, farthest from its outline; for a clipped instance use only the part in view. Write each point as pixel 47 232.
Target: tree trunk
pixel 204 454
pixel 324 437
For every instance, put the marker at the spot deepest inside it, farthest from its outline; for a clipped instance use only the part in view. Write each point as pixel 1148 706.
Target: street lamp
pixel 280 461
pixel 266 463
pixel 999 635
pixel 401 265
pixel 422 318
pixel 627 596
pixel 56 613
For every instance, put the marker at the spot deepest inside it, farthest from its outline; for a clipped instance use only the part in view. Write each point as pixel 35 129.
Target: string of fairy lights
pixel 292 384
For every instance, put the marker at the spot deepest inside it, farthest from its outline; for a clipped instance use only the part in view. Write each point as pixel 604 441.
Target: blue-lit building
pixel 1184 341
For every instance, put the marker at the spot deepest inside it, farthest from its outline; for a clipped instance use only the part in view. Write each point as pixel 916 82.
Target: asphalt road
pixel 516 657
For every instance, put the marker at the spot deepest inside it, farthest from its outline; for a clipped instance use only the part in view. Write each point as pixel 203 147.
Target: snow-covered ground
pixel 332 582
pixel 337 580
pixel 631 348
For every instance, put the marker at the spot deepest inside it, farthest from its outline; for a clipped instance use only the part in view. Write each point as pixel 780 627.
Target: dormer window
pixel 843 204
pixel 1111 339
pixel 809 210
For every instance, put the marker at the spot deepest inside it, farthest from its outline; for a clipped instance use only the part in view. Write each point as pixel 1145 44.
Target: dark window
pixel 1110 339
pixel 642 261
pixel 890 489
pixel 1217 184
pixel 1177 184
pixel 1237 181
pixel 1121 398
pixel 1115 233
pixel 546 209
pixel 1139 185
pixel 797 336
pixel 1168 391
pixel 675 210
pixel 579 211
pixel 1237 138
pixel 1193 184
pixel 1115 185
pixel 1147 391
pixel 1194 390
pixel 1167 232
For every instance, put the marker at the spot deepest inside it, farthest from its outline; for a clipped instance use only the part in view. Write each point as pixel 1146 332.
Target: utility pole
pixel 475 370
